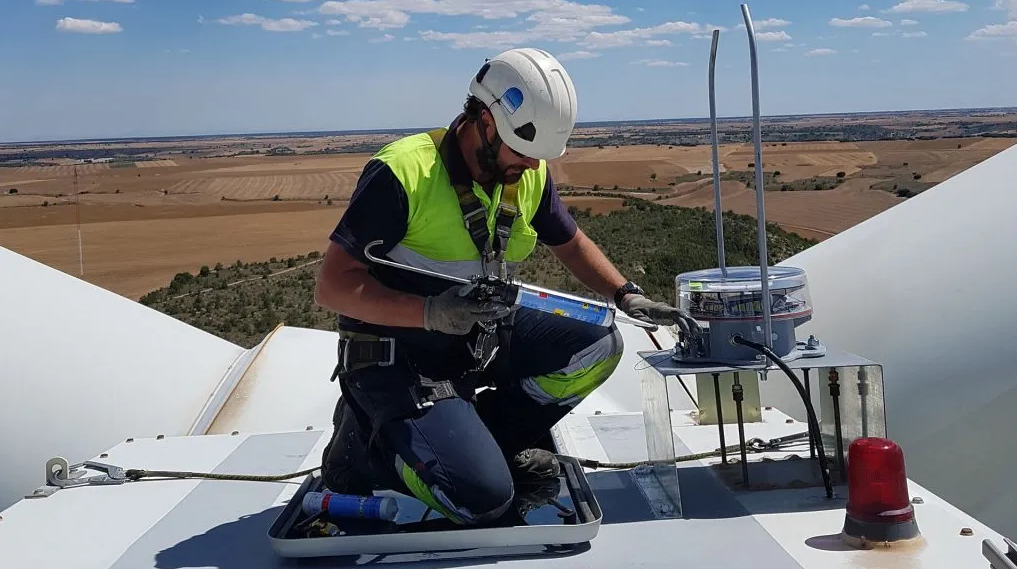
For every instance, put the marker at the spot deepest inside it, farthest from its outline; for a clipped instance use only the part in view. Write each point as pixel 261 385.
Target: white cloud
pixel 1009 5
pixel 821 51
pixel 388 19
pixel 881 34
pixel 483 40
pixel 906 22
pixel 767 23
pixel 660 63
pixel 861 22
pixel 577 55
pixel 659 43
pixel 77 26
pixel 995 32
pixel 549 20
pixel 772 36
pixel 269 25
pixel 337 32
pixel 563 31
pixel 914 34
pixel 334 22
pixel 628 37
pixel 931 6
pixel 554 14
pixel 864 7
pixel 384 38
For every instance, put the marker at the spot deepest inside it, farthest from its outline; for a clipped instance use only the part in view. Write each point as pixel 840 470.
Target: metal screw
pixel 234 433
pixel 917 500
pixel 160 437
pixel 310 428
pixel 967 531
pixel 789 421
pixel 103 455
pixel 130 440
pixel 768 408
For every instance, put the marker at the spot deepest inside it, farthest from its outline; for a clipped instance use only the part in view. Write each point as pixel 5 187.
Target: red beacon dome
pixel 879 510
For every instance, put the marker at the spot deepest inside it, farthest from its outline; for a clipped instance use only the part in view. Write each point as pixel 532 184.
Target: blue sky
pixel 102 68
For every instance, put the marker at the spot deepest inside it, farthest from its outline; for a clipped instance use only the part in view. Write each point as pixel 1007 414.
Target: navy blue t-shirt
pixel 379 209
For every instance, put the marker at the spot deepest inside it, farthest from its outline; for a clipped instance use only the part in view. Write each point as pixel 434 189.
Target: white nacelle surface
pixel 922 289
pixel 83 368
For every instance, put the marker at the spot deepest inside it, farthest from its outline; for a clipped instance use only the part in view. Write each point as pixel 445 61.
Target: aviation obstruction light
pixel 879 510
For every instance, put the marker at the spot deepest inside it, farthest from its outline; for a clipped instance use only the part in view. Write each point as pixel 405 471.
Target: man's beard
pixel 496 174
pixel 512 176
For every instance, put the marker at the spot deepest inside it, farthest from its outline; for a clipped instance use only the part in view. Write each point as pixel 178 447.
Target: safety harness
pixel 358 350
pixel 491 248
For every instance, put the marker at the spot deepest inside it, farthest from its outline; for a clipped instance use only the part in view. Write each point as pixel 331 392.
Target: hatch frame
pixel 475 542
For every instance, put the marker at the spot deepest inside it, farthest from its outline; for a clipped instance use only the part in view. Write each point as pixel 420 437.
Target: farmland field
pixel 143 221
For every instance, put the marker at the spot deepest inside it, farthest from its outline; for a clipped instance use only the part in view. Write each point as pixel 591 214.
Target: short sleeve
pixel 552 220
pixel 378 209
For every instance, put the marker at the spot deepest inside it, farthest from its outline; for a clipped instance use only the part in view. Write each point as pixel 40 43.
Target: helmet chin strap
pixel 487 154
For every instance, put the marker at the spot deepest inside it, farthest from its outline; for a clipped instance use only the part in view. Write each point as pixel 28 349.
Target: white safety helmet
pixel 532 99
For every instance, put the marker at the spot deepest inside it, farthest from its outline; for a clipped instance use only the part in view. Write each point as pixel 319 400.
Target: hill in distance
pixel 649 243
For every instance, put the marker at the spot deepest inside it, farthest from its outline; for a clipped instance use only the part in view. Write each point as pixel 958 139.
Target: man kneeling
pixel 472 198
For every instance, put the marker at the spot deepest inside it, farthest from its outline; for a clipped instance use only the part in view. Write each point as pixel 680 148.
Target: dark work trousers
pixel 454 456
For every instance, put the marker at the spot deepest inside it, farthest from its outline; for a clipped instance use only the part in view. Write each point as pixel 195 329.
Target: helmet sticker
pixel 512 99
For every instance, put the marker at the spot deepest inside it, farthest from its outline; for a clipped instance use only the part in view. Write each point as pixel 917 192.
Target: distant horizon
pixel 579 124
pixel 132 69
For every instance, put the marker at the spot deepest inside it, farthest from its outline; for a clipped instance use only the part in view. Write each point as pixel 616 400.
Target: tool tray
pixel 545 530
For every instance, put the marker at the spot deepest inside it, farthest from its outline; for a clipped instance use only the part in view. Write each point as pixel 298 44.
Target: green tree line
pixel 648 242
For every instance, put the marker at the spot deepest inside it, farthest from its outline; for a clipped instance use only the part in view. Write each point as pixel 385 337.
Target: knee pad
pixel 466 499
pixel 587 370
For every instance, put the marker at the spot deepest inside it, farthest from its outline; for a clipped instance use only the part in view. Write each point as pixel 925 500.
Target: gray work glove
pixel 451 313
pixel 653 312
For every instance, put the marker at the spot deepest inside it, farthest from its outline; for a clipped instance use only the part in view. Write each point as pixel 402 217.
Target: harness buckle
pixel 355 353
pixel 367 351
pixel 438 390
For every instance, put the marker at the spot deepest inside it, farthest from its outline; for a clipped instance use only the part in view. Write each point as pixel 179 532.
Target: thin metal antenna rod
pixel 760 211
pixel 718 211
pixel 77 221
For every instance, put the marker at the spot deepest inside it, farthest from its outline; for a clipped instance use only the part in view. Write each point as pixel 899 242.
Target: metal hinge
pixel 997 559
pixel 60 474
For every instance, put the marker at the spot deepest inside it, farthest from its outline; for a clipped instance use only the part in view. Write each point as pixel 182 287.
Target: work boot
pixel 534 465
pixel 343 453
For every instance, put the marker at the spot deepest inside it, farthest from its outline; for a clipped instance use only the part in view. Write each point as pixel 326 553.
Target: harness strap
pixel 474 214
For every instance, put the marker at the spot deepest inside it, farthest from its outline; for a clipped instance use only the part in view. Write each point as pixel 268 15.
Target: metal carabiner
pixel 72 475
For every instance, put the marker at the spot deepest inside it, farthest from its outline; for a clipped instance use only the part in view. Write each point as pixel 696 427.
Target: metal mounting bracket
pixel 60 474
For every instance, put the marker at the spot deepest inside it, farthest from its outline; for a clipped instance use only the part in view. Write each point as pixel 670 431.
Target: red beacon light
pixel 879 510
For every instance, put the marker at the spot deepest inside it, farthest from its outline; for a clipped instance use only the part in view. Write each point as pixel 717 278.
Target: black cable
pixel 809 410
